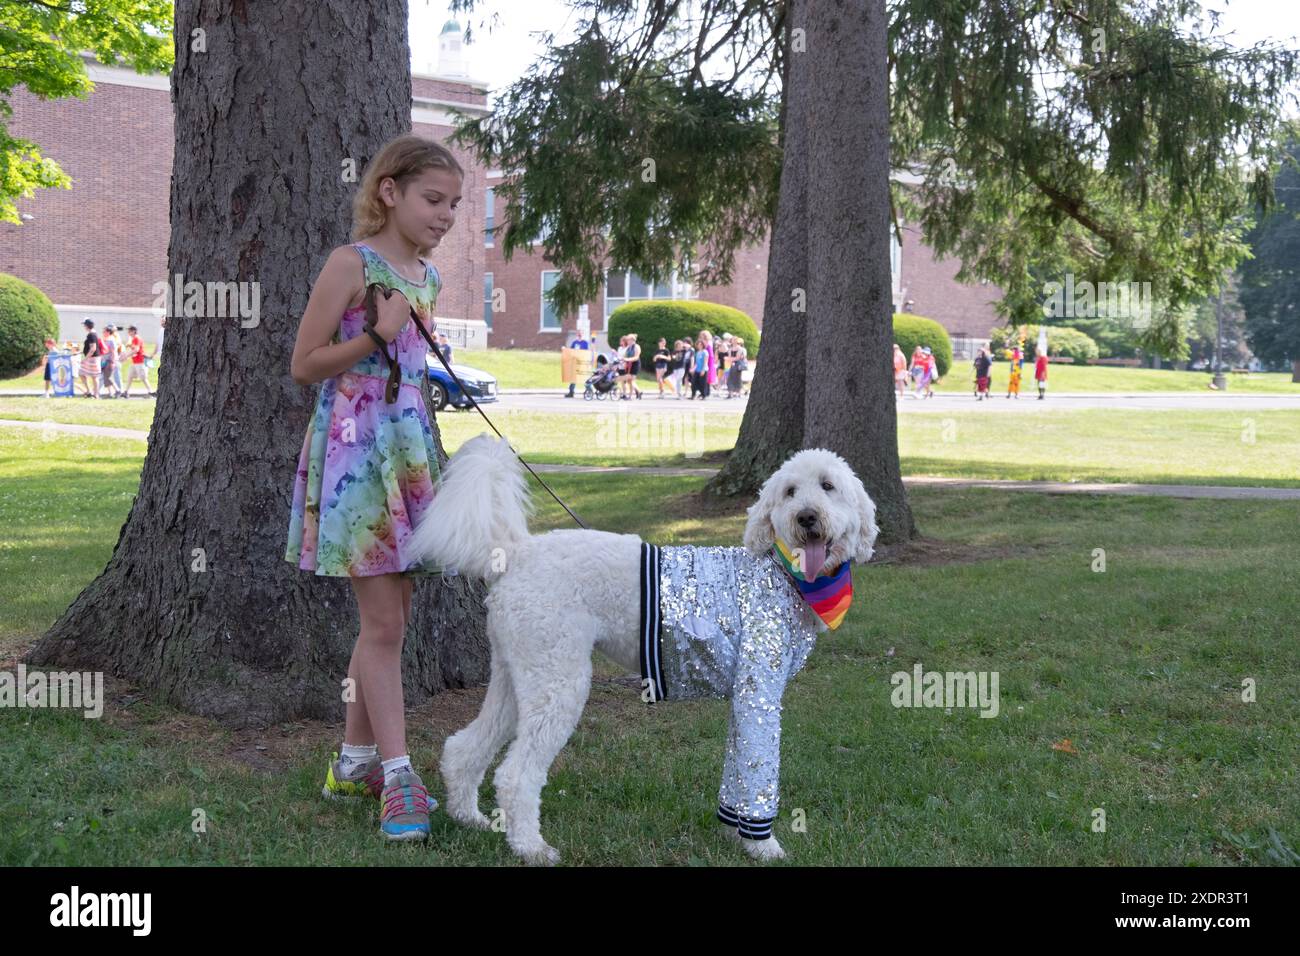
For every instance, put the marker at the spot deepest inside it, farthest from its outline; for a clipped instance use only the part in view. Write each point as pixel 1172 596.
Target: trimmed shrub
pixel 1061 341
pixel 27 319
pixel 913 330
pixel 673 319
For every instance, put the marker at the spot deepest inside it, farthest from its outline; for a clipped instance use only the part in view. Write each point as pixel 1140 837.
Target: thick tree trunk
pixel 830 243
pixel 1295 371
pixel 197 602
pixel 771 429
pixel 849 406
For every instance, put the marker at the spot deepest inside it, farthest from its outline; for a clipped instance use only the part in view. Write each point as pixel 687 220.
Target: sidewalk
pixel 1224 492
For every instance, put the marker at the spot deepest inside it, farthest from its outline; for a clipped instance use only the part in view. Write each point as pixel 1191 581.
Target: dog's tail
pixel 480 510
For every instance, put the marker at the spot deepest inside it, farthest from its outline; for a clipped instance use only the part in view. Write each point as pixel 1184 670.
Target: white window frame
pixel 541 319
pixel 489 286
pixel 489 215
pixel 678 289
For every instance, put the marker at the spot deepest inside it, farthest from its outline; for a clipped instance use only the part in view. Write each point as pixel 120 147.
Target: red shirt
pixel 137 350
pixel 1040 368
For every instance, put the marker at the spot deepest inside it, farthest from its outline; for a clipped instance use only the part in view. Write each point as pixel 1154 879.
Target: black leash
pixel 370 320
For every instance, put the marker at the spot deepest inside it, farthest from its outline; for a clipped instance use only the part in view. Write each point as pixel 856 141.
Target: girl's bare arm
pixel 337 287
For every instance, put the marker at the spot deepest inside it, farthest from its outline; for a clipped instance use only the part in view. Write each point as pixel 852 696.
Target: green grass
pixel 1140 666
pixel 1101 378
pixel 1115 445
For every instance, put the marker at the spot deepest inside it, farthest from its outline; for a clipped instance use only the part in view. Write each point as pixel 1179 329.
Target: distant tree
pixel 1270 282
pixel 41 42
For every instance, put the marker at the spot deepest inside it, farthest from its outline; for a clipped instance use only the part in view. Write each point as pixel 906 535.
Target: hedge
pixel 1061 341
pixel 27 319
pixel 673 319
pixel 913 330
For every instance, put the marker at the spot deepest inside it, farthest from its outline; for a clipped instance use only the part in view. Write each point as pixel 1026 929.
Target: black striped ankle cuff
pixel 748 827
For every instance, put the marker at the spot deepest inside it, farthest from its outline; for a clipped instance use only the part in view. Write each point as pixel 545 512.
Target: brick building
pixel 99 249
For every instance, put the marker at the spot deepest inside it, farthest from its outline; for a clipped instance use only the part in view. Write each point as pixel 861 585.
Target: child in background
pixel 109 370
pixel 983 364
pixel 50 353
pixel 135 362
pixel 1040 374
pixel 900 371
pixel 89 371
pixel 1013 383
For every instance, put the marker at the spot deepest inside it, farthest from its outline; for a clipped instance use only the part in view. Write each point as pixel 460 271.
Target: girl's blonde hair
pixel 403 159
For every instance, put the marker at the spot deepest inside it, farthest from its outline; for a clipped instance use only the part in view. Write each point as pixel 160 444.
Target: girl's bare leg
pixel 379 713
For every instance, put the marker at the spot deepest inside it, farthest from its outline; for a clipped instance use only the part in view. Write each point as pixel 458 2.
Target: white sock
pixel 395 766
pixel 354 757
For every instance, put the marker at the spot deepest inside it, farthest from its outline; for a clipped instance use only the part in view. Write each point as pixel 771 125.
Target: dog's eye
pixel 827 486
pixel 789 492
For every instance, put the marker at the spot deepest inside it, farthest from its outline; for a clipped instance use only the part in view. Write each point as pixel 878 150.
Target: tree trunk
pixel 197 602
pixel 830 243
pixel 1295 371
pixel 849 406
pixel 771 429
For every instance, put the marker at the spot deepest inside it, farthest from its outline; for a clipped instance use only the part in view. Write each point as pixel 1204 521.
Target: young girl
pixel 661 359
pixel 367 470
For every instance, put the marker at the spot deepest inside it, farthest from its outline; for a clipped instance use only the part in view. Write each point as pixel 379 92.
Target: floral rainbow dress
pixel 367 469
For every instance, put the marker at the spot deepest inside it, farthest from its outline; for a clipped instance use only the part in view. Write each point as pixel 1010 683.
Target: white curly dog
pixel 555 597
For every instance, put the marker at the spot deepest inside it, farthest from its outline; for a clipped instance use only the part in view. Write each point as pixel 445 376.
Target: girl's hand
pixel 391 314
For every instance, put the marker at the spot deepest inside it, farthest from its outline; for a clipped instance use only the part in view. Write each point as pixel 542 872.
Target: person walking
pixel 134 358
pixel 983 364
pixel 1040 374
pixel 900 371
pixel 739 362
pixel 89 371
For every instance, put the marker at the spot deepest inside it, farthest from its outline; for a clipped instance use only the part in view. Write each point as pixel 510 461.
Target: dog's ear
pixel 759 533
pixel 865 545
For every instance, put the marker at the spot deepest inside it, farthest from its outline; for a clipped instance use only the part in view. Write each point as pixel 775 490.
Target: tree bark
pixel 849 406
pixel 771 429
pixel 1295 371
pixel 826 376
pixel 197 602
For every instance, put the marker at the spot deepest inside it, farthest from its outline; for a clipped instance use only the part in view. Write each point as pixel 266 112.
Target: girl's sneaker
pixel 370 784
pixel 404 814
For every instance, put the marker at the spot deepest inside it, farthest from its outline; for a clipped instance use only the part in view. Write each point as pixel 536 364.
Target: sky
pixel 503 51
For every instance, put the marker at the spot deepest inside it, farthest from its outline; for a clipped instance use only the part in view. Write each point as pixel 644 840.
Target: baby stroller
pixel 603 380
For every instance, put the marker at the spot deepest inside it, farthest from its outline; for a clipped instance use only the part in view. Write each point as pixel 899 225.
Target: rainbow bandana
pixel 828 595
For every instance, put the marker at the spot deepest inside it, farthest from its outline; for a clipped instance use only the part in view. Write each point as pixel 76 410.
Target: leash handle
pixel 370 306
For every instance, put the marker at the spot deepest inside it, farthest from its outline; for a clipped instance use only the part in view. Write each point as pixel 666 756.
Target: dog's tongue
pixel 814 556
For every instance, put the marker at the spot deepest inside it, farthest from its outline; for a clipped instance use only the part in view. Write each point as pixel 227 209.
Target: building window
pixel 895 259
pixel 487 299
pixel 550 319
pixel 489 218
pixel 627 286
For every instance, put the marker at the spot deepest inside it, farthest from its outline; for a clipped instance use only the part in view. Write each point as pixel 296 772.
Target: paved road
pixel 1047 487
pixel 553 401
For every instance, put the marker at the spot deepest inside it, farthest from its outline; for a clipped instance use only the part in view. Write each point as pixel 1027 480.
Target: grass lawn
pixel 1101 378
pixel 1200 447
pixel 1140 667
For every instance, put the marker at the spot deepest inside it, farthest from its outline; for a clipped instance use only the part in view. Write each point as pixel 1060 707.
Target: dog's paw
pixel 539 854
pixel 472 818
pixel 764 850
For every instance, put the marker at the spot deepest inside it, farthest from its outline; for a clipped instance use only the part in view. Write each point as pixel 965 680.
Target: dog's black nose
pixel 806 518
